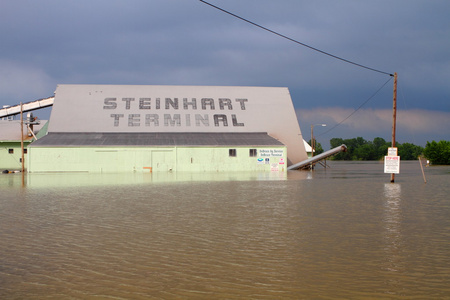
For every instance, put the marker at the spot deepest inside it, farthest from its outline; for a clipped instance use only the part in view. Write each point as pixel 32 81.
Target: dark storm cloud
pixel 184 42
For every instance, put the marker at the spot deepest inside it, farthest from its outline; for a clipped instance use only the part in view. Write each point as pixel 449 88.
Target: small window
pixel 232 152
pixel 25 151
pixel 11 151
pixel 253 153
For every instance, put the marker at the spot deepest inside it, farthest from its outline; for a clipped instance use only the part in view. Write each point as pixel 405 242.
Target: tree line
pixel 360 149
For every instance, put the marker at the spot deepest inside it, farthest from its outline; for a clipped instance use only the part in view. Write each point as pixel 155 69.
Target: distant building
pixel 308 148
pixel 129 128
pixel 10 141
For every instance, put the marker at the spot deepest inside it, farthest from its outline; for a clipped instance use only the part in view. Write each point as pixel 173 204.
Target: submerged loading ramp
pixel 314 159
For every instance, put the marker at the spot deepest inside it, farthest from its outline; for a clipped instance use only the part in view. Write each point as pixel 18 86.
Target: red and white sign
pixel 392 164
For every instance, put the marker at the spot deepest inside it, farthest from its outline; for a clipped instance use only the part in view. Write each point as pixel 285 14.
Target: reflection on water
pixel 393 235
pixel 49 180
pixel 343 232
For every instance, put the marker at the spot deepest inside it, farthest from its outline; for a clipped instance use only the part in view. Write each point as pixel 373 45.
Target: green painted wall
pixel 137 159
pixel 10 161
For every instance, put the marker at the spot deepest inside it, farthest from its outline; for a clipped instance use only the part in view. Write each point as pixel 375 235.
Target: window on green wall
pixel 11 151
pixel 232 152
pixel 253 153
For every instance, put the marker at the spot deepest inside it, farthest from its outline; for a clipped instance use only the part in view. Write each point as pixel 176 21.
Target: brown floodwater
pixel 344 232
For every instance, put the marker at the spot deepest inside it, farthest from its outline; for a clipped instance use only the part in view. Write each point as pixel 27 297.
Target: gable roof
pixel 157 139
pixel 10 130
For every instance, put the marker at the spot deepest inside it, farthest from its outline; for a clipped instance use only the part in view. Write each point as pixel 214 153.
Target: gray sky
pixel 186 42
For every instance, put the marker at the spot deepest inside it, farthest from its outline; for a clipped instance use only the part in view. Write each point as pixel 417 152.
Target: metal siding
pixel 11 161
pixel 144 159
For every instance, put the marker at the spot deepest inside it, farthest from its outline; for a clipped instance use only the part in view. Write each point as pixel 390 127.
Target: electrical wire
pixel 315 49
pixel 364 103
pixel 295 41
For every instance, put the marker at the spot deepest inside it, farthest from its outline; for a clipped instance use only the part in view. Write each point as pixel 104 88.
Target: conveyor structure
pixel 28 106
pixel 317 158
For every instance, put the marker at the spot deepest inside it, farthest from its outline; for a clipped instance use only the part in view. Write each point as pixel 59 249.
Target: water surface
pixel 341 232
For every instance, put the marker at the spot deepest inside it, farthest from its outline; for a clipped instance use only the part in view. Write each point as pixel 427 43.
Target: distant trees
pixel 438 152
pixel 408 151
pixel 360 149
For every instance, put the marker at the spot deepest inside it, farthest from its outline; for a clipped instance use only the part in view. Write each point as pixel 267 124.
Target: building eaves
pixel 156 139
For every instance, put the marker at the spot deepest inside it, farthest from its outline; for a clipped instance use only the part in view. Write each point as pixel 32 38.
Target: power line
pixel 295 41
pixel 390 78
pixel 315 49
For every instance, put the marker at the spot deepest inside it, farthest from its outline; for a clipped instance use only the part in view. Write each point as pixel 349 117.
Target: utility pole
pixel 394 117
pixel 21 136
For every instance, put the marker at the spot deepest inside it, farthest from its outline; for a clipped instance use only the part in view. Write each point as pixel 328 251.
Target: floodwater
pixel 344 232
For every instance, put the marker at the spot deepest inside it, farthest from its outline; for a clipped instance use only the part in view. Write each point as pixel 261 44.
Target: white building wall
pixel 155 159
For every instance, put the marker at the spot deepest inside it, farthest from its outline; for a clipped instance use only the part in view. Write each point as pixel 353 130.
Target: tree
pixel 352 146
pixel 365 152
pixel 438 152
pixel 409 151
pixel 336 142
pixel 381 147
pixel 360 149
pixel 317 147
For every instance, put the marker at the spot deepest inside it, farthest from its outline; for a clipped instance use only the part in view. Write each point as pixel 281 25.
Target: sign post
pixel 392 161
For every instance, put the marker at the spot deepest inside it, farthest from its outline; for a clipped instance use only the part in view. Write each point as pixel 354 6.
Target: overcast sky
pixel 186 42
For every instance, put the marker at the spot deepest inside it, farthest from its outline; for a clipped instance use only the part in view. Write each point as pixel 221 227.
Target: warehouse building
pixel 11 137
pixel 144 128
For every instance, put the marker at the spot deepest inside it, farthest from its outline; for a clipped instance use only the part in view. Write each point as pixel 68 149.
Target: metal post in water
pixel 423 173
pixel 21 137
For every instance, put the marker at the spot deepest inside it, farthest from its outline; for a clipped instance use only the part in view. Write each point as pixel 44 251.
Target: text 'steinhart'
pixel 174 104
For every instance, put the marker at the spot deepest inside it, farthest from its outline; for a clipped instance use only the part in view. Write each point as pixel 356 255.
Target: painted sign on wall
pixel 166 112
pixel 271 153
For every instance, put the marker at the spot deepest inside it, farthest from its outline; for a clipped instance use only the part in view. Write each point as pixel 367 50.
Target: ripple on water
pixel 333 235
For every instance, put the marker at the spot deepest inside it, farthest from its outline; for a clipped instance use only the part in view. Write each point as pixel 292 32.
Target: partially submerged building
pixel 11 136
pixel 125 128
